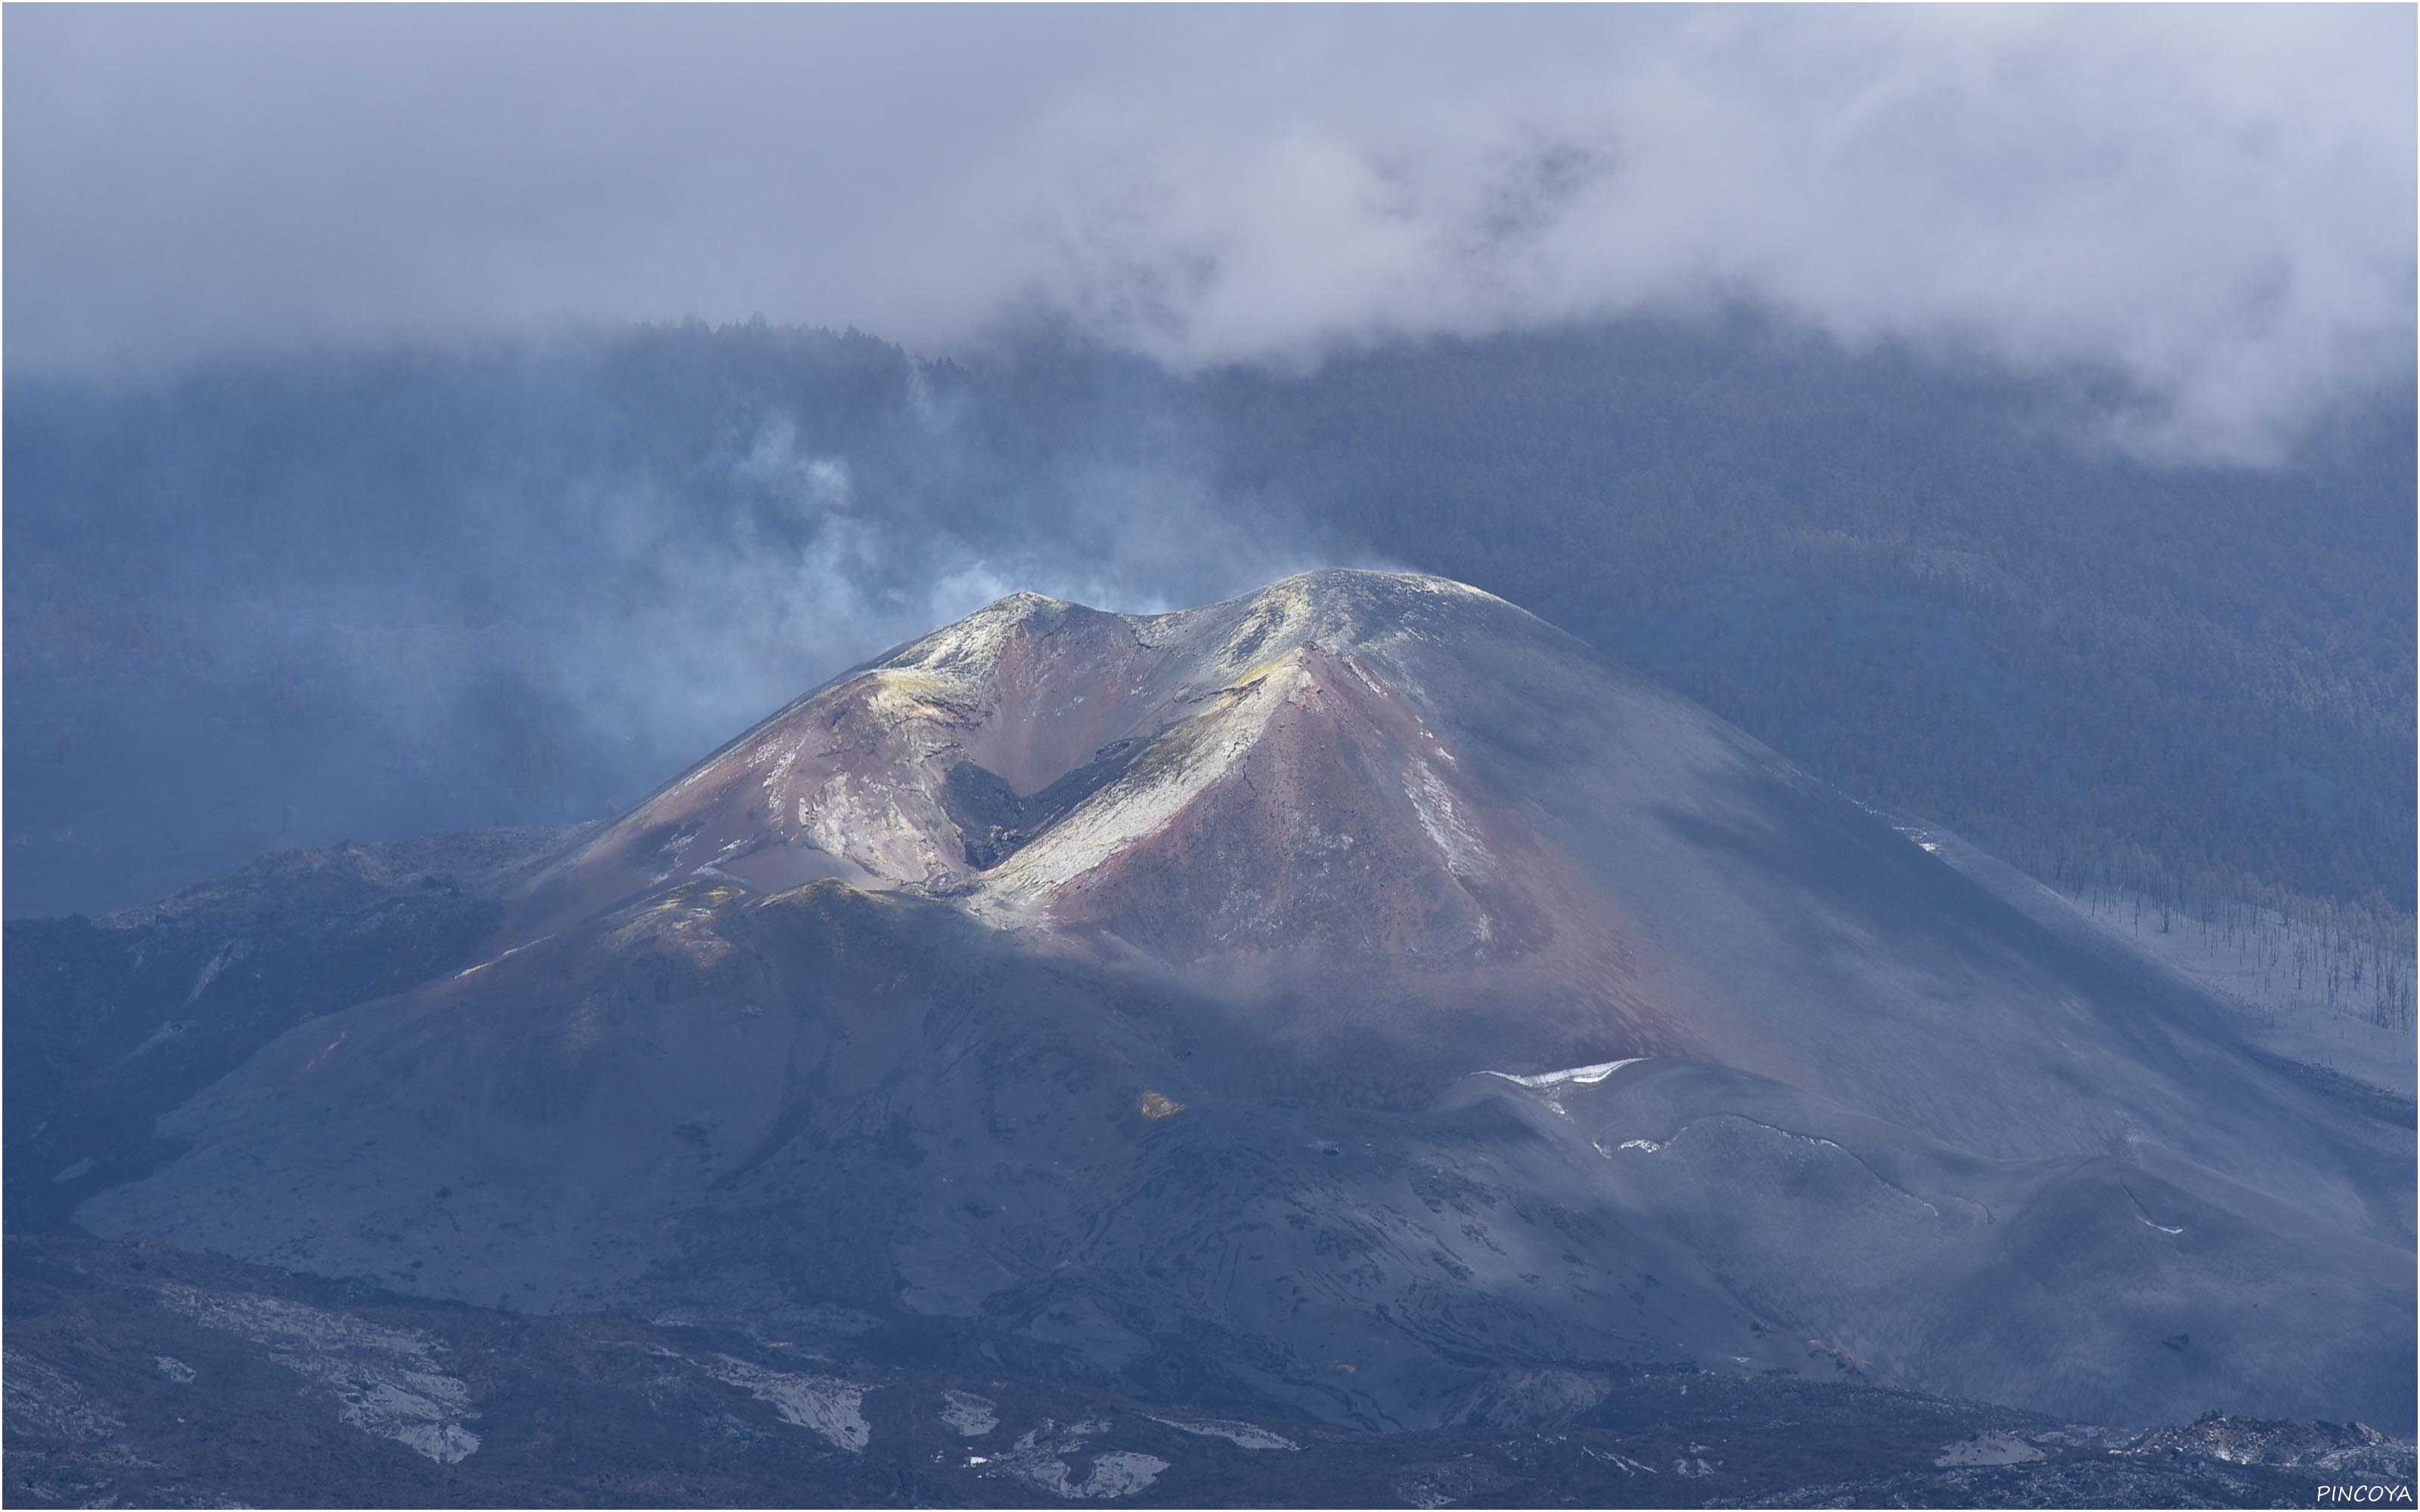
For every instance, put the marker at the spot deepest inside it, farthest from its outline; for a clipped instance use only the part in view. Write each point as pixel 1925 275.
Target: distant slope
pixel 114 1022
pixel 2271 968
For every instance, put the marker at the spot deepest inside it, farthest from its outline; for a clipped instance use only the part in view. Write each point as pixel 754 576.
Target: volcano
pixel 1357 999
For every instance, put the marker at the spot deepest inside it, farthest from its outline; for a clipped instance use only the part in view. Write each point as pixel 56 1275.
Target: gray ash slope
pixel 1190 1004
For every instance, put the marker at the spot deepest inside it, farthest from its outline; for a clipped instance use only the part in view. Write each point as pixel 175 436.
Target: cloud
pixel 2207 209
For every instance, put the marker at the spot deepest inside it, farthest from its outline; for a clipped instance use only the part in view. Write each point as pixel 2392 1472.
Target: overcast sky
pixel 2215 205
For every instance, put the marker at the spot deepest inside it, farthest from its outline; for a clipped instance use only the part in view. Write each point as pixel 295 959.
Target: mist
pixel 2210 208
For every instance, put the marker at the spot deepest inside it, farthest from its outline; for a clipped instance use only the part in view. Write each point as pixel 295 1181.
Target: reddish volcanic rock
pixel 1265 791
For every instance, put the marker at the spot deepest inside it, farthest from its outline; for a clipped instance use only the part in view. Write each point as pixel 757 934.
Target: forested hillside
pixel 420 591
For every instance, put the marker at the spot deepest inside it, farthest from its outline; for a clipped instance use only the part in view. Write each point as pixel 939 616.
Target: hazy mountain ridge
pixel 114 1022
